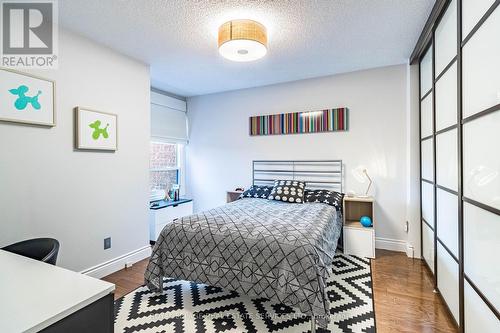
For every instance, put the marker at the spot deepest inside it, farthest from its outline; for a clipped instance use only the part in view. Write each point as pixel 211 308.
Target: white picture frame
pixel 26 98
pixel 96 130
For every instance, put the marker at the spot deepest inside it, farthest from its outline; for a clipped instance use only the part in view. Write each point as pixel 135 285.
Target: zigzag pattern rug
pixel 186 307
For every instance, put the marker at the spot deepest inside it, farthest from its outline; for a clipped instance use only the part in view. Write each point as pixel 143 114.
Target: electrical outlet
pixel 107 243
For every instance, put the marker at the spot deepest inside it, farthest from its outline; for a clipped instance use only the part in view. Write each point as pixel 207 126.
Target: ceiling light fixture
pixel 242 40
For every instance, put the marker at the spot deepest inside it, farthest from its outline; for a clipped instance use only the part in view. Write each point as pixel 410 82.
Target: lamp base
pixel 362 196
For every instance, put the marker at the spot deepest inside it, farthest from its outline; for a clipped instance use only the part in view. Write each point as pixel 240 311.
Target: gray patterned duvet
pixel 257 247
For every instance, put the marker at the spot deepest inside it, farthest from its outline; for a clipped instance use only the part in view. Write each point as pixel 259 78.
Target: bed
pixel 259 247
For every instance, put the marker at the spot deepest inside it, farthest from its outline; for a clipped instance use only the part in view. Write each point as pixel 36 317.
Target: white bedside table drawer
pixel 171 213
pixel 182 210
pixel 359 242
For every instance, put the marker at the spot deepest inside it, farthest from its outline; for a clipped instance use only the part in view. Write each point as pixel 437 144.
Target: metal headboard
pixel 318 174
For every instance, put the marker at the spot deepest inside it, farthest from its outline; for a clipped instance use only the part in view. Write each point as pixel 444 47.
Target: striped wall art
pixel 329 120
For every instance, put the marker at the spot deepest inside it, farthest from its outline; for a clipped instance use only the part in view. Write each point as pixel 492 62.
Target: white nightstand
pixel 358 240
pixel 163 212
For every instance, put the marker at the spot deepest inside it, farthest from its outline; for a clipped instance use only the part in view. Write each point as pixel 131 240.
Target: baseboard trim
pixel 115 264
pixel 390 244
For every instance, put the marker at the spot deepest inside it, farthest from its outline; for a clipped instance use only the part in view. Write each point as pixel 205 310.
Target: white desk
pixel 35 295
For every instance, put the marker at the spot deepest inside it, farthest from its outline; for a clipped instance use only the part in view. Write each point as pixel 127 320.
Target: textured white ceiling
pixel 307 38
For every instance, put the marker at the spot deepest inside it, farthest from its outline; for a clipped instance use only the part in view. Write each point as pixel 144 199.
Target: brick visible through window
pixel 163 166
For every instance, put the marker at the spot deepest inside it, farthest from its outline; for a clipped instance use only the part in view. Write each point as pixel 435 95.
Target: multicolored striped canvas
pixel 329 120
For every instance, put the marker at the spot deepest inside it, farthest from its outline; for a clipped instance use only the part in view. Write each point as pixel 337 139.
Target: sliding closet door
pixel 481 164
pixel 460 161
pixel 427 157
pixel 445 39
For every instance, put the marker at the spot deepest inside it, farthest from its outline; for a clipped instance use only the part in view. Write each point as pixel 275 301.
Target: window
pixel 164 165
pixel 167 145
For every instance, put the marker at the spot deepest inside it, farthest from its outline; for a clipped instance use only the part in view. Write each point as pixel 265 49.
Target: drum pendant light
pixel 242 40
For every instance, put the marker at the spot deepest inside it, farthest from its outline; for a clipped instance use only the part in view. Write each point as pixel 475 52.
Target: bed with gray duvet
pixel 256 247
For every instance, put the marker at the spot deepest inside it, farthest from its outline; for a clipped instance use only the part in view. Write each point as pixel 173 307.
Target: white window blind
pixel 168 118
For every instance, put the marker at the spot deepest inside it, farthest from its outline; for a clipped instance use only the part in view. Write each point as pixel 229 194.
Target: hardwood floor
pixel 128 279
pixel 402 287
pixel 404 297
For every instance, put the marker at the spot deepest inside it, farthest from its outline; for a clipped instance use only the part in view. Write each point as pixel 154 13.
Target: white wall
pixel 49 189
pixel 220 150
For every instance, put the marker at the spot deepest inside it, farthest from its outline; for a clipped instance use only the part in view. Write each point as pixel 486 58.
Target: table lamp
pixel 361 176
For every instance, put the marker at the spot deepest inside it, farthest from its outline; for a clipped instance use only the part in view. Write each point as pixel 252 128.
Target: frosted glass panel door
pixel 446 99
pixel 447 269
pixel 481 164
pixel 427 160
pixel 481 65
pixel 426 73
pixel 447 220
pixel 478 317
pixel 426 116
pixel 428 202
pixel 481 140
pixel 460 160
pixel 446 38
pixel 472 11
pixel 482 246
pixel 447 159
pixel 428 246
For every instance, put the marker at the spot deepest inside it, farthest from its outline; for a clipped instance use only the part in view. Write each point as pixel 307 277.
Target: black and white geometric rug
pixel 186 307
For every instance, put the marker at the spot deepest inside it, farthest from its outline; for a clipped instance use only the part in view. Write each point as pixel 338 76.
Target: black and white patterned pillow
pixel 257 191
pixel 331 198
pixel 288 191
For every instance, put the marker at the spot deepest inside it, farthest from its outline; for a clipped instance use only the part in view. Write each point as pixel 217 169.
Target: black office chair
pixel 42 249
